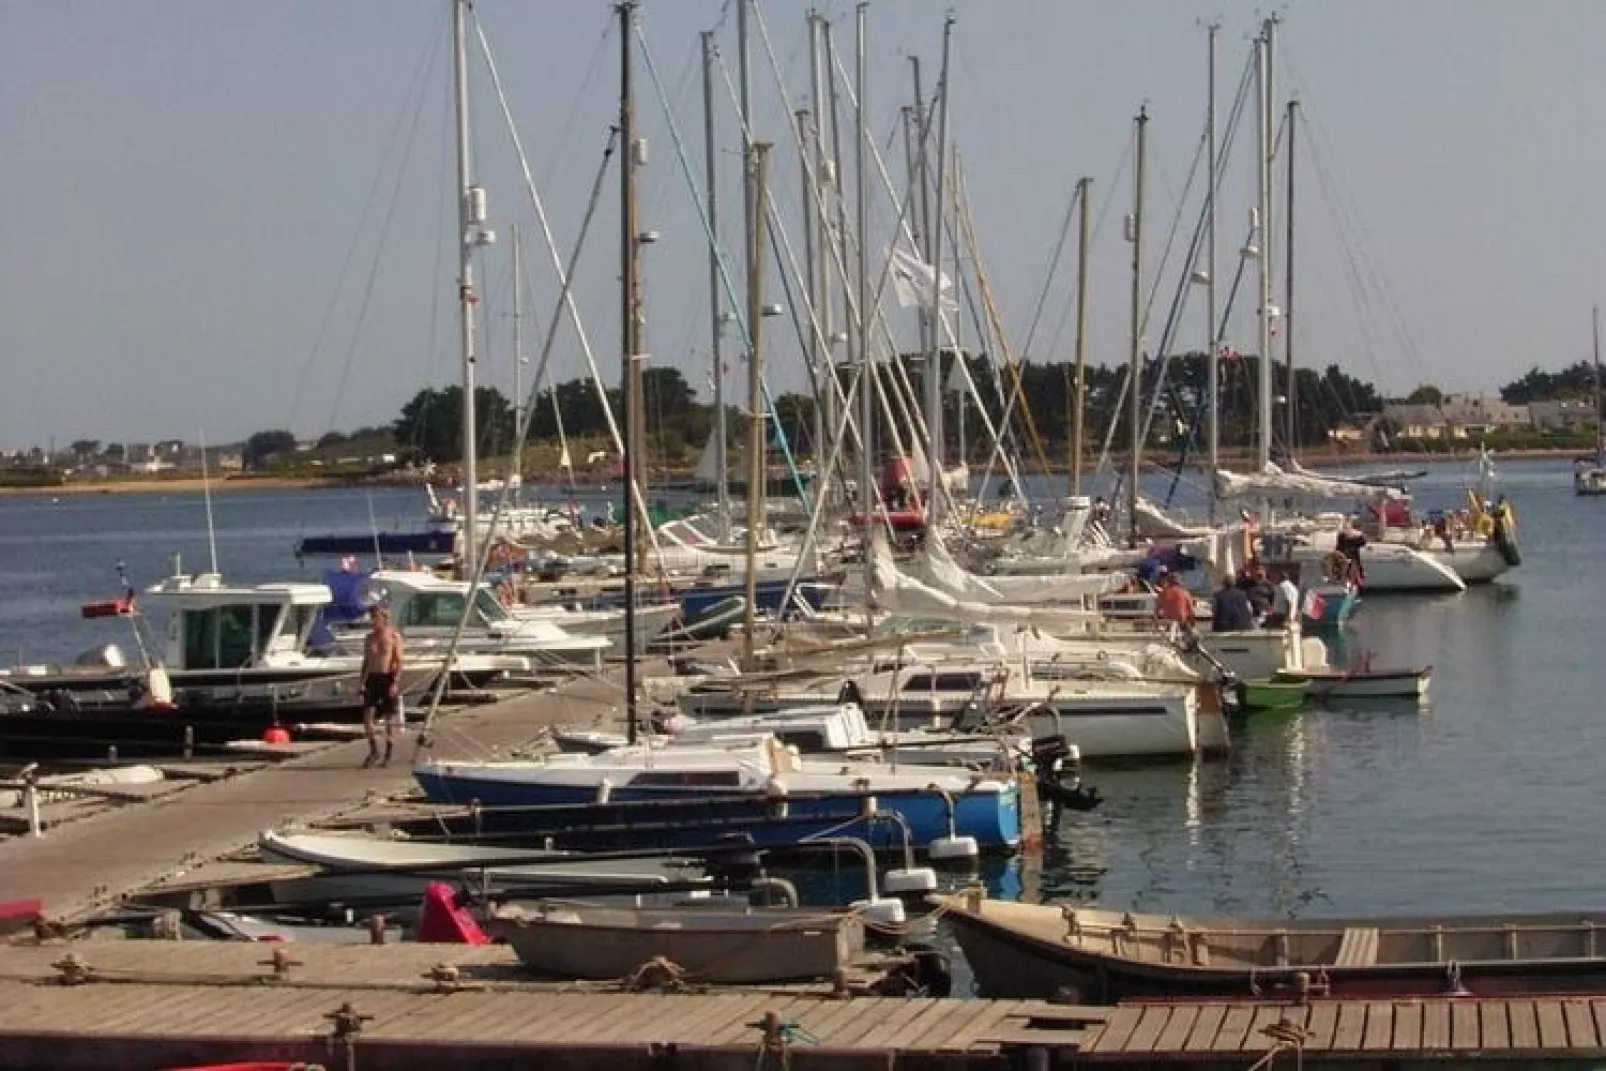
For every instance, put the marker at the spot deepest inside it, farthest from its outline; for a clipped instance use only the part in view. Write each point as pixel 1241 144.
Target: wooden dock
pixel 118 1004
pixel 94 862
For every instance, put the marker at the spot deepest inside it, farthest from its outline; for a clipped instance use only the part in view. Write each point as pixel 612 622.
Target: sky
pixel 223 216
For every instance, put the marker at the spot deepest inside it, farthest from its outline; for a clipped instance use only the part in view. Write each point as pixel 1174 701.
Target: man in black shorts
pixel 381 684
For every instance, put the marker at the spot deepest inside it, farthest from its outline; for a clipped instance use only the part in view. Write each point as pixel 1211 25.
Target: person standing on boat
pixel 1285 601
pixel 1174 603
pixel 381 684
pixel 1349 542
pixel 1230 610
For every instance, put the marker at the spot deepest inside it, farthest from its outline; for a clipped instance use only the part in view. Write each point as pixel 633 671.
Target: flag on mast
pixel 912 278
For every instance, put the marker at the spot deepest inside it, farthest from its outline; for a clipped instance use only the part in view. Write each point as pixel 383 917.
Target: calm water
pixel 1486 801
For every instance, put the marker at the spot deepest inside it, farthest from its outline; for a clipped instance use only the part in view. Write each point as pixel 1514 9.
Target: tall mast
pixel 715 320
pixel 825 171
pixel 867 385
pixel 1290 390
pixel 757 170
pixel 1135 376
pixel 815 347
pixel 1084 190
pixel 1600 432
pixel 470 215
pixel 630 335
pixel 934 241
pixel 917 143
pixel 516 464
pixel 1263 227
pixel 1212 356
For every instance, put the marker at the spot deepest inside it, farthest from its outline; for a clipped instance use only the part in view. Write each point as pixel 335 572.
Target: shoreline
pixel 195 484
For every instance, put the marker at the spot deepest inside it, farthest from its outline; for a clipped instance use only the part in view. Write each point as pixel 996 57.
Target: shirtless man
pixel 381 684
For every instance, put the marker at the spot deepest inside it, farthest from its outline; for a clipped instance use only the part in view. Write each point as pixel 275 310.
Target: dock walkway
pixel 92 863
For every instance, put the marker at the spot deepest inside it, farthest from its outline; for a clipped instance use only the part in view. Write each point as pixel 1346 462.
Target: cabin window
pixel 220 638
pixel 943 682
pixel 267 622
pixel 432 611
pixel 686 779
pixel 200 639
pixel 488 608
pixel 806 740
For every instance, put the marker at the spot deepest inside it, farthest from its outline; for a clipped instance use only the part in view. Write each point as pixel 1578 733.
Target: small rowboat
pixel 1272 695
pixel 1092 956
pixel 1331 683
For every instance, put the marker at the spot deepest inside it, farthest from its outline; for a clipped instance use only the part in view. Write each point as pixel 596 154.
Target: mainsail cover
pixel 1154 523
pixel 1274 482
pixel 937 568
pixel 903 595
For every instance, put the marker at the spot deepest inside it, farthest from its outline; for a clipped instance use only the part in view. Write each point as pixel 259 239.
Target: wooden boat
pixel 1087 955
pixel 710 946
pixel 1272 694
pixel 1329 682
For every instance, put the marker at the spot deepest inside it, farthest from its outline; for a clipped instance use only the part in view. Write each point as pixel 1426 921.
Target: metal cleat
pixel 347 1023
pixel 281 963
pixel 75 970
pixel 445 977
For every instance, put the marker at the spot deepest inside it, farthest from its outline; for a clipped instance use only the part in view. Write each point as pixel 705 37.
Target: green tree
pixel 1426 394
pixel 262 448
pixel 431 423
pixel 86 447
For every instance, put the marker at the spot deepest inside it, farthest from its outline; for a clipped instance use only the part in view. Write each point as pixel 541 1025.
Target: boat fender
pixel 953 849
pixel 776 791
pixel 884 912
pixel 910 881
pixel 605 791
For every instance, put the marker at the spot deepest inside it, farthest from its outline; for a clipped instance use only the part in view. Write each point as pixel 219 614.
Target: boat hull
pixel 992 817
pixel 1008 963
pixel 1361 684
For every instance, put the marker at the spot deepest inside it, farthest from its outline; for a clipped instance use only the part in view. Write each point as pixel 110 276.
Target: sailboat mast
pixel 630 336
pixel 516 466
pixel 1263 226
pixel 1212 348
pixel 934 240
pixel 1135 375
pixel 715 313
pixel 824 174
pixel 470 214
pixel 867 386
pixel 1600 430
pixel 1291 406
pixel 1078 399
pixel 757 181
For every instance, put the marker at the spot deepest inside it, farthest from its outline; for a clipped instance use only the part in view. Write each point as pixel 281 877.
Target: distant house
pixel 1409 420
pixel 1472 415
pixel 1357 429
pixel 138 453
pixel 1562 415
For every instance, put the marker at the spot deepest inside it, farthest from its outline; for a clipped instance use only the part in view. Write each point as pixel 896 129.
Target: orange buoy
pixel 276 734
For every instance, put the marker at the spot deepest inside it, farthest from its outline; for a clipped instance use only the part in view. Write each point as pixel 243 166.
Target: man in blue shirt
pixel 1230 610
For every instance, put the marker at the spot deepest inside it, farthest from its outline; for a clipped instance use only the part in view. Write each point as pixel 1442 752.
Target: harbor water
pixel 1483 801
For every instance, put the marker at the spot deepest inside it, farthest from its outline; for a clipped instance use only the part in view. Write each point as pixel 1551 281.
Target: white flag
pixel 911 282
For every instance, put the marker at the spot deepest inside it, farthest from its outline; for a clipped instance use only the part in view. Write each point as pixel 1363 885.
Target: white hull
pixel 1590 482
pixel 1119 728
pixel 1476 562
pixel 1252 655
pixel 1391 567
pixel 1374 684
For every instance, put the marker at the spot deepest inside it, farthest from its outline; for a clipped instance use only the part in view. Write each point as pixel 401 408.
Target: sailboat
pixel 1589 474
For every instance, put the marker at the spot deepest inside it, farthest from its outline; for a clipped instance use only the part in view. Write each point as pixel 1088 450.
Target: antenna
pixel 206 489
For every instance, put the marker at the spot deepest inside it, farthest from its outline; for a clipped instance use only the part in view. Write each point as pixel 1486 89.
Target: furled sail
pixel 1274 482
pixel 938 569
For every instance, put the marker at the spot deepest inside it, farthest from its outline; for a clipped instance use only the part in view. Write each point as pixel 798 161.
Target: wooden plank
pixel 1205 1028
pixel 1465 1030
pixel 1552 1026
pixel 1320 1024
pixel 823 1019
pixel 1408 1026
pixel 1179 1024
pixel 975 1038
pixel 1435 1025
pixel 961 1015
pixel 1379 1026
pixel 645 1014
pixel 1032 1037
pixel 1117 1029
pixel 737 1013
pixel 1598 1008
pixel 1357 948
pixel 919 1030
pixel 1255 1038
pixel 1234 1028
pixel 1350 1031
pixel 1155 1019
pixel 1581 1033
pixel 899 1014
pixel 601 1011
pixel 1524 1027
pixel 1494 1029
pixel 556 1013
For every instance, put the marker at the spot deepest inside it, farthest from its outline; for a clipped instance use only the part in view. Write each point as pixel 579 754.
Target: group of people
pixel 1255 598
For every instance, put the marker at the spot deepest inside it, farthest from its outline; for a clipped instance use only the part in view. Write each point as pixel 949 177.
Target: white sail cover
pixel 935 567
pixel 902 595
pixel 1274 482
pixel 1154 523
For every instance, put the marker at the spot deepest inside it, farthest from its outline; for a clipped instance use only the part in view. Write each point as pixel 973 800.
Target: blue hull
pixel 441 543
pixel 993 818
